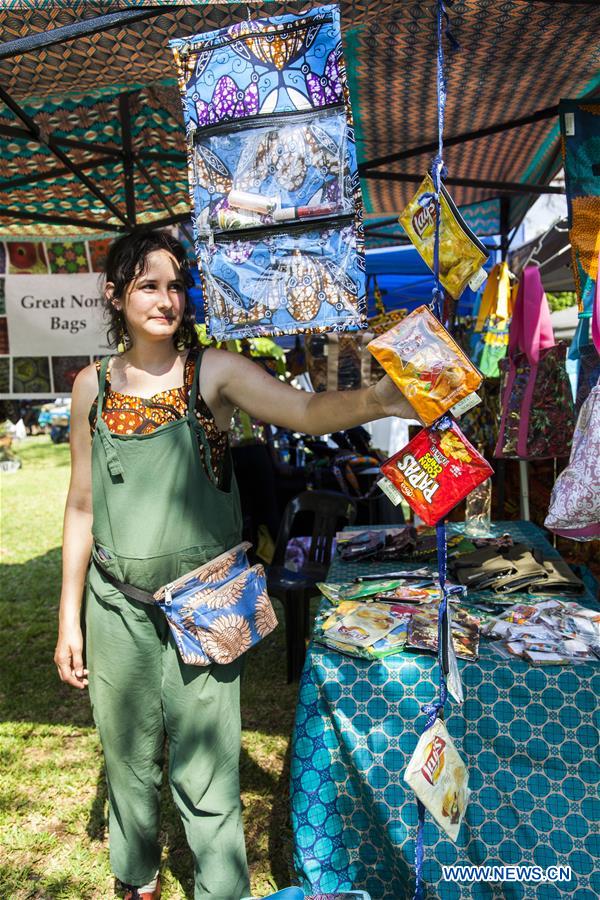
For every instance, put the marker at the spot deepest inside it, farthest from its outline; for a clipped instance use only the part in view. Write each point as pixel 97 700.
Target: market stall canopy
pixel 91 130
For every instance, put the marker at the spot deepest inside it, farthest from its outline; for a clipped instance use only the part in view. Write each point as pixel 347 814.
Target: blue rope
pixel 438 173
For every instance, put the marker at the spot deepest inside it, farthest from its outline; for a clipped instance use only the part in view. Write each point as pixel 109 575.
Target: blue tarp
pixel 405 281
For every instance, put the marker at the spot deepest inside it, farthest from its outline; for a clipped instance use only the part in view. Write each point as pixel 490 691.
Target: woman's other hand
pixel 68 657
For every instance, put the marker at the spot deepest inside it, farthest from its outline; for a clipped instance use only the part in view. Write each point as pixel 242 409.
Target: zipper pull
pixel 168 594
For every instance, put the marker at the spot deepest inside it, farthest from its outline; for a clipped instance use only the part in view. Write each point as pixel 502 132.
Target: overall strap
pixel 102 384
pixel 196 429
pixel 193 396
pixel 112 457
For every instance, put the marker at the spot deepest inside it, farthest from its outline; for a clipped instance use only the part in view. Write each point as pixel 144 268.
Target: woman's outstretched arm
pixel 230 380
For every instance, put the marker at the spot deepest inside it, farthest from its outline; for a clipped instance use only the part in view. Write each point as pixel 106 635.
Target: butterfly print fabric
pixel 277 208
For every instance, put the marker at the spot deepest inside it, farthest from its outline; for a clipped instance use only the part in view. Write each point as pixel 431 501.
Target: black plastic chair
pixel 329 511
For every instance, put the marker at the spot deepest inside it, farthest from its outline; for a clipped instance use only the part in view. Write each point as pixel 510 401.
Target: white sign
pixel 55 315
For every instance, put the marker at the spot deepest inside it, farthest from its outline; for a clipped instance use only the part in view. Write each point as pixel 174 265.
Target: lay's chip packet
pixel 462 255
pixel 439 778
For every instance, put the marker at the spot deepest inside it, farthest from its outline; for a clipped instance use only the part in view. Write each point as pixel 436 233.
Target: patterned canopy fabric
pixel 515 58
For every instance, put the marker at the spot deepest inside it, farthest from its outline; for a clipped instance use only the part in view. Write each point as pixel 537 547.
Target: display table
pixel 529 737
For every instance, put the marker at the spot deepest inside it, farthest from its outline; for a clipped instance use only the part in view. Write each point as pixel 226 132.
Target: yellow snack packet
pixel 426 364
pixel 461 253
pixel 439 778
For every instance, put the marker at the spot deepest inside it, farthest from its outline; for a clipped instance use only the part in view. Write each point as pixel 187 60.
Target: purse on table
pixel 560 579
pixel 215 612
pixel 501 571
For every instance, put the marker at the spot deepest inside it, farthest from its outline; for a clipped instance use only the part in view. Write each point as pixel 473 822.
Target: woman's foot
pixel 147 892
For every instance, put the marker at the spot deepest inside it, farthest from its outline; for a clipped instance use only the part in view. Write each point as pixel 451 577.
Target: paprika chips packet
pixel 439 778
pixel 461 253
pixel 426 364
pixel 436 470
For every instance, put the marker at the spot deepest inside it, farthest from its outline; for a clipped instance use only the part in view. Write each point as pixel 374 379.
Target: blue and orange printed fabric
pixel 277 208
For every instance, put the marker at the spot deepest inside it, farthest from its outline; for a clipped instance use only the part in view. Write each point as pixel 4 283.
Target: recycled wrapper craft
pixel 436 470
pixel 277 208
pixel 439 778
pixel 426 364
pixel 462 255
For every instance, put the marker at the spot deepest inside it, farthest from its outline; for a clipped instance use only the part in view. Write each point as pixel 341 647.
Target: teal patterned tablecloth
pixel 529 736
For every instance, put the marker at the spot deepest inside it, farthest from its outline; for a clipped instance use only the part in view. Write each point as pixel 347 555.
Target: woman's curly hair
pixel 126 260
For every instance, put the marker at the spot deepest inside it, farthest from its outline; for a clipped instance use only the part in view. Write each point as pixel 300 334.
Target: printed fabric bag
pixel 579 143
pixel 275 192
pixel 215 612
pixel 537 404
pixel 575 502
pixel 588 358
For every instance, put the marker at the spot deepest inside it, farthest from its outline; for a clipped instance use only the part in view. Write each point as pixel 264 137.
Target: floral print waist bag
pixel 215 612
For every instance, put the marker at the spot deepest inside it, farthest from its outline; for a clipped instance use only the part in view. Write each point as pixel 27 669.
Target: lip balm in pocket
pixel 254 202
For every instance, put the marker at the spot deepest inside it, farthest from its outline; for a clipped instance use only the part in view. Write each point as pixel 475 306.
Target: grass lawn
pixel 53 806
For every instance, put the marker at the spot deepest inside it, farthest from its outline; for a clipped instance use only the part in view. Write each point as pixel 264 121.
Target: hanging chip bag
pixel 439 778
pixel 462 255
pixel 426 364
pixel 435 471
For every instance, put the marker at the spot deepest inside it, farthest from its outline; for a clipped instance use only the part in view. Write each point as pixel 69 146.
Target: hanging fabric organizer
pixel 277 208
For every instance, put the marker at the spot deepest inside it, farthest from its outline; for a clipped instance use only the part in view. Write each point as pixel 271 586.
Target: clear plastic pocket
pixel 299 279
pixel 274 170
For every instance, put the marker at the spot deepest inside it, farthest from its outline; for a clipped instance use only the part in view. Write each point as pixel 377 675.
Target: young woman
pixel 152 496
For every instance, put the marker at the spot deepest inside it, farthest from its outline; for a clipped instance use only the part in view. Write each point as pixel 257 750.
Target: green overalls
pixel 157 515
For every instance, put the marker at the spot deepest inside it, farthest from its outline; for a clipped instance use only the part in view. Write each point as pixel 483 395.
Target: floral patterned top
pixel 128 414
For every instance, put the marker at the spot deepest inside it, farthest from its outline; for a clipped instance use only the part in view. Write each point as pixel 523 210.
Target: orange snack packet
pixel 426 364
pixel 436 470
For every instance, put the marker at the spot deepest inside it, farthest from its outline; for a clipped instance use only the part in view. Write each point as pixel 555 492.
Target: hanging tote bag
pixel 575 502
pixel 537 405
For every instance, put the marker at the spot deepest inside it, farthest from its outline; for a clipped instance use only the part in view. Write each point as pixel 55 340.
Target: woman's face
pixel 154 301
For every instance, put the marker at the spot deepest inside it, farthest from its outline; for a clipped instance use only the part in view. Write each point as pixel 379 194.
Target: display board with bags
pixel 537 405
pixel 277 208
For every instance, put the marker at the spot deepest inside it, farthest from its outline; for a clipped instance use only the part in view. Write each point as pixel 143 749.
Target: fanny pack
pixel 215 612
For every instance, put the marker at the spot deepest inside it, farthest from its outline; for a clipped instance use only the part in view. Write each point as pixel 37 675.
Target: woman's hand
pixel 68 657
pixel 391 400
